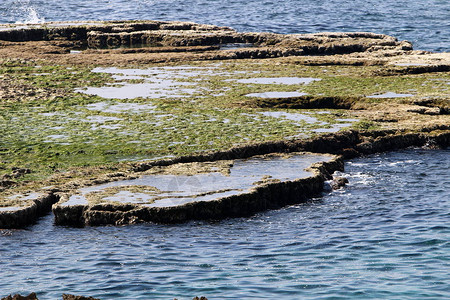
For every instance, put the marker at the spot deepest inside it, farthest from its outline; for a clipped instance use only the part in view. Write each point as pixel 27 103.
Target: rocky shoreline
pixel 346 145
pixel 43 67
pixel 76 48
pixel 191 37
pixel 270 196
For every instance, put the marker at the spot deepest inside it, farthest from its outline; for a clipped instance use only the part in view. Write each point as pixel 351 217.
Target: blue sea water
pixel 426 23
pixel 385 236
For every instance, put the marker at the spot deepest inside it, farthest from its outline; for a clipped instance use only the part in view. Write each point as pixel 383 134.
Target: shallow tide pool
pixel 173 190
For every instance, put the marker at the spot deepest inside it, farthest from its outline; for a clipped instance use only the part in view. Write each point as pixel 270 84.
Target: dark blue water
pixel 426 23
pixel 385 236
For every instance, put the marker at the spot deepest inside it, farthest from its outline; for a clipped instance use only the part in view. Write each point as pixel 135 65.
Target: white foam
pixel 32 16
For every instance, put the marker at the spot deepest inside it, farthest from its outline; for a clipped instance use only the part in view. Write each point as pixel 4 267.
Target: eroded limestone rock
pixel 136 42
pixel 205 41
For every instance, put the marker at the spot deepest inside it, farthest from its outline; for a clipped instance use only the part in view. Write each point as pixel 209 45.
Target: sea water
pixel 426 23
pixel 384 236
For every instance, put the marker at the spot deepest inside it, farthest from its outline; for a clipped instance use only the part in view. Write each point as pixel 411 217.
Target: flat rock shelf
pixel 121 122
pixel 206 190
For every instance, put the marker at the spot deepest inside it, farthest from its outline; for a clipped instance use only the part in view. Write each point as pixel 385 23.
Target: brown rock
pixel 31 296
pixel 338 182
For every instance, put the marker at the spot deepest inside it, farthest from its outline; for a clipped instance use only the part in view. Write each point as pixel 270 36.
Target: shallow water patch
pixel 162 89
pixel 171 190
pixel 121 107
pixel 298 118
pixel 276 94
pixel 110 127
pixel 57 139
pixel 57 136
pixel 158 82
pixel 411 64
pixel 100 119
pixel 10 208
pixel 279 80
pixel 335 127
pixel 18 201
pixel 233 46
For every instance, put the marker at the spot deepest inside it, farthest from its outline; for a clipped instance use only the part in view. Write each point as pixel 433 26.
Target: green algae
pixel 52 129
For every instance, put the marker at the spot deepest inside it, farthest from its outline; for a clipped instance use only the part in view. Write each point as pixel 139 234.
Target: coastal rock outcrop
pixel 268 196
pixel 413 119
pixel 338 182
pixel 263 196
pixel 202 41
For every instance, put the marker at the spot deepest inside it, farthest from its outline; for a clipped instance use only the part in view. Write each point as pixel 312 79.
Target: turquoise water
pixel 426 23
pixel 385 236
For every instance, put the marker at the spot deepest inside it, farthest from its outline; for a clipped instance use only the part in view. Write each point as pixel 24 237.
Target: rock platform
pixel 266 195
pixel 145 41
pixel 76 48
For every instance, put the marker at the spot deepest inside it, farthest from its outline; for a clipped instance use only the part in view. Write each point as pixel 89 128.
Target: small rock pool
pixel 238 177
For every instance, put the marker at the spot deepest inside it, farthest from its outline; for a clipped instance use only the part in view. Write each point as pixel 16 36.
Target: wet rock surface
pixel 268 196
pixel 388 119
pixel 143 41
pixel 21 216
pixel 338 182
pixel 268 193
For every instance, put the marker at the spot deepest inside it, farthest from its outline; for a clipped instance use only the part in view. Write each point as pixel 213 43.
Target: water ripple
pixel 363 241
pixel 425 23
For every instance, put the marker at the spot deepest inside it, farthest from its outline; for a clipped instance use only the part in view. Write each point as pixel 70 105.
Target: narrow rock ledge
pixel 24 216
pixel 262 197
